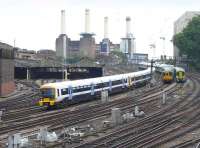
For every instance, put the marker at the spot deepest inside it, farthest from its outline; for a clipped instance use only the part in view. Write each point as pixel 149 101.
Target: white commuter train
pixel 85 89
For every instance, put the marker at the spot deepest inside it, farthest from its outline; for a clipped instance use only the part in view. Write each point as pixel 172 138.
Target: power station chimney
pixel 87 21
pixel 105 27
pixel 128 26
pixel 63 23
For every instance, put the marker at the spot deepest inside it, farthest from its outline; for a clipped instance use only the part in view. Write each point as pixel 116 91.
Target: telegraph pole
pixel 152 67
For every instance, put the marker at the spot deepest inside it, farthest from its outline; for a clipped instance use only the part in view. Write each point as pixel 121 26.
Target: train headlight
pixel 40 103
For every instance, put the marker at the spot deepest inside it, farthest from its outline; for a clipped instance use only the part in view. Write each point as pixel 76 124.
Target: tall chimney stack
pixel 105 27
pixel 87 21
pixel 63 23
pixel 128 26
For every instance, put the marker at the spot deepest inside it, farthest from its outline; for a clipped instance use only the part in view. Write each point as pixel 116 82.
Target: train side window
pixel 64 91
pixel 58 92
pixel 117 82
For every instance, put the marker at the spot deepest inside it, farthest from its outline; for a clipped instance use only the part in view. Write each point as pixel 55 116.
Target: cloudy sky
pixel 35 24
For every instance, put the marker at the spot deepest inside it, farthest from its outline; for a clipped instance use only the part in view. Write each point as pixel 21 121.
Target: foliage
pixel 120 55
pixel 188 41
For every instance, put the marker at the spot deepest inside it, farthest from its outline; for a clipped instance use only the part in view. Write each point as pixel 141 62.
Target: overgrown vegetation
pixel 188 41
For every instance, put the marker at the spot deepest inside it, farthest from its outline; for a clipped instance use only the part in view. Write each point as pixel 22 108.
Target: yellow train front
pixel 48 95
pixel 167 75
pixel 166 72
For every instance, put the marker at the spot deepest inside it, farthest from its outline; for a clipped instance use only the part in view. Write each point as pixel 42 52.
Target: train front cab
pixel 180 76
pixel 167 77
pixel 48 96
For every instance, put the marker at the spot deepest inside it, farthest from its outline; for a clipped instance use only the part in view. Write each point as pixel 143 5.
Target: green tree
pixel 188 41
pixel 120 55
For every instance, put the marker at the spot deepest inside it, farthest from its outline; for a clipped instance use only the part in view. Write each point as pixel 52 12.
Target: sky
pixel 35 24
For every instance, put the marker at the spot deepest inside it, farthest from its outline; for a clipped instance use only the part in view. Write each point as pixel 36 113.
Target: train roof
pixel 179 69
pixel 163 65
pixel 145 63
pixel 168 68
pixel 89 81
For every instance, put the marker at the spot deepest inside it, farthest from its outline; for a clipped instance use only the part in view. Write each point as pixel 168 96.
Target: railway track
pixel 25 99
pixel 186 144
pixel 130 107
pixel 63 117
pixel 154 130
pixel 21 113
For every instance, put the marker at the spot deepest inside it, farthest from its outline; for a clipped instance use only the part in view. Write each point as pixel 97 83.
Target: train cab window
pixel 64 91
pixel 48 92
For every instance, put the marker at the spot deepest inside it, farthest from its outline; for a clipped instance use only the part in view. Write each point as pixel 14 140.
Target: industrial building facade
pixel 7 84
pixel 86 46
pixel 180 24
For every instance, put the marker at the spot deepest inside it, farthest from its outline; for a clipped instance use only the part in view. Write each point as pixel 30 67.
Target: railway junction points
pixel 158 115
pixel 142 114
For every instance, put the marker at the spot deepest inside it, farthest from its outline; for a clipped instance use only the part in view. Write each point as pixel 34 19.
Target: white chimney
pixel 63 29
pixel 128 26
pixel 105 27
pixel 87 21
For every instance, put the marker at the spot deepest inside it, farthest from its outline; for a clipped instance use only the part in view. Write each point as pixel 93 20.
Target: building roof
pixel 5 46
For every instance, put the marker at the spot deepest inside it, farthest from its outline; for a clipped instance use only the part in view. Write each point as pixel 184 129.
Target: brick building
pixel 7 84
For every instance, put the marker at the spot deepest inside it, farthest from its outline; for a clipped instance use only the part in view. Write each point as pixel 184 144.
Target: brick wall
pixel 7 84
pixel 7 88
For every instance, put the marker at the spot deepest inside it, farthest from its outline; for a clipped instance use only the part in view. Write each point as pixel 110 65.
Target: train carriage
pixel 169 73
pixel 166 72
pixel 85 89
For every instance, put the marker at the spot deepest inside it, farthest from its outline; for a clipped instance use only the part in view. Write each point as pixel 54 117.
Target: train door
pixel 133 81
pixel 92 89
pixel 110 85
pixel 129 81
pixel 70 92
pixel 123 83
